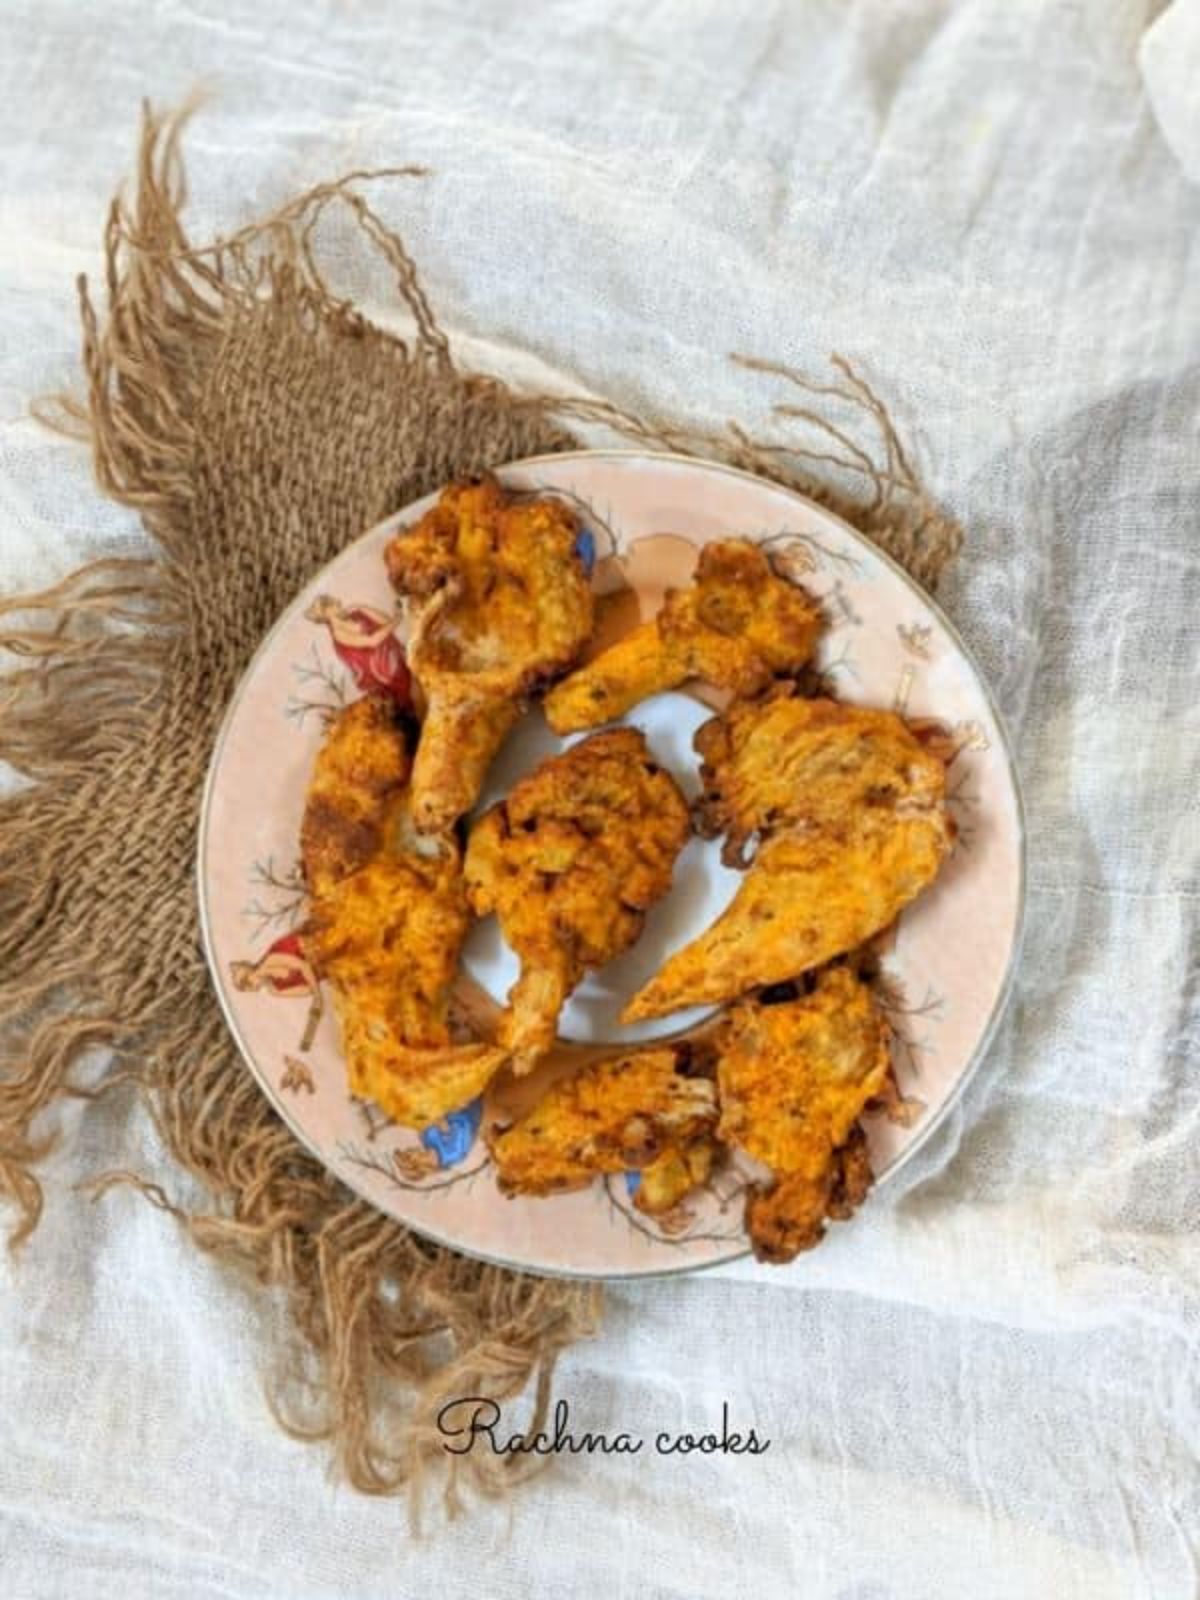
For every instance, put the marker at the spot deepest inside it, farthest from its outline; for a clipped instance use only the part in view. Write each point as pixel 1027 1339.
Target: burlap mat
pixel 257 423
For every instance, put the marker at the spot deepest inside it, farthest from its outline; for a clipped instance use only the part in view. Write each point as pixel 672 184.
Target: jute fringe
pixel 258 423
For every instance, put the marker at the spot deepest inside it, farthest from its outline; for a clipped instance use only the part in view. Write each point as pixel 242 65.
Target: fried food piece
pixel 852 832
pixel 794 1076
pixel 793 1080
pixel 361 767
pixel 790 1215
pixel 616 1115
pixel 501 603
pixel 673 1175
pixel 387 920
pixel 570 863
pixel 736 626
pixel 792 762
pixel 806 899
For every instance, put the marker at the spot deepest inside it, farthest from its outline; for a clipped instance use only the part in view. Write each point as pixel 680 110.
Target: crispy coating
pixel 789 1216
pixel 387 919
pixel 362 766
pixel 794 1078
pixel 788 761
pixel 501 604
pixel 615 1115
pixel 852 831
pixel 672 1176
pixel 570 863
pixel 805 899
pixel 736 626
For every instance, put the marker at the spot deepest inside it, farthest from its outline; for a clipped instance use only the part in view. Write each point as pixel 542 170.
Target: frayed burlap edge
pixel 122 673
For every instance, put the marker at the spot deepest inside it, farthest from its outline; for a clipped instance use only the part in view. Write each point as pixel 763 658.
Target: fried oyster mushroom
pixel 850 810
pixel 736 626
pixel 501 603
pixel 636 1112
pixel 387 919
pixel 673 1175
pixel 789 1216
pixel 794 1078
pixel 570 863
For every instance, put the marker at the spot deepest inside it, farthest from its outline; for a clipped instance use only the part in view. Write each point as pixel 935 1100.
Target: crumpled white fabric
pixel 1169 56
pixel 987 1384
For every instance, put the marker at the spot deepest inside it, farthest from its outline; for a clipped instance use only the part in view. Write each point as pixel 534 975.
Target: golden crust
pixel 388 937
pixel 615 1115
pixel 789 1216
pixel 501 604
pixel 806 899
pixel 812 764
pixel 386 923
pixel 570 863
pixel 852 812
pixel 361 767
pixel 672 1176
pixel 794 1078
pixel 418 1087
pixel 736 626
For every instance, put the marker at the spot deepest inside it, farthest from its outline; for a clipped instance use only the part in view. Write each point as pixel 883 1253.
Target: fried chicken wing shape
pixel 501 603
pixel 793 1079
pixel 639 1111
pixel 570 863
pixel 387 919
pixel 850 808
pixel 737 626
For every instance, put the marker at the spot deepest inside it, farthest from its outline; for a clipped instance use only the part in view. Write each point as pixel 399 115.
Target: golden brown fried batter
pixel 361 768
pixel 794 1078
pixel 736 626
pixel 387 920
pixel 673 1175
pixel 570 863
pixel 790 1215
pixel 501 604
pixel 851 809
pixel 613 1116
pixel 792 762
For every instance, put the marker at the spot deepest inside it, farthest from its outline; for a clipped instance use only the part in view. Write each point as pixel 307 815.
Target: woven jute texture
pixel 258 423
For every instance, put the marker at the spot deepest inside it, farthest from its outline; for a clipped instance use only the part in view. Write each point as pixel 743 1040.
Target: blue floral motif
pixel 632 1182
pixel 585 549
pixel 451 1139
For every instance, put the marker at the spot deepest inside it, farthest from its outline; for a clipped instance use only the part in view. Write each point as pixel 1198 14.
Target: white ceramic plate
pixel 948 966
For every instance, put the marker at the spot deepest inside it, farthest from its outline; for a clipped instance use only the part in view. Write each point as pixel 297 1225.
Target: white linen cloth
pixel 987 1384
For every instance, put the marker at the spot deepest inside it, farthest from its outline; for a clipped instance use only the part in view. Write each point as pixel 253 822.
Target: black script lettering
pixel 483 1419
pixel 588 1442
pixel 731 1444
pixel 475 1416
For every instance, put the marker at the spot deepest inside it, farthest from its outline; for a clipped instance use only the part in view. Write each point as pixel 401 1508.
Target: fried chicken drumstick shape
pixel 387 919
pixel 737 625
pixel 794 1078
pixel 570 862
pixel 501 603
pixel 850 810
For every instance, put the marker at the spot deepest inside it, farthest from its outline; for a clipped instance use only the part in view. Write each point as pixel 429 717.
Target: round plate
pixel 947 968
